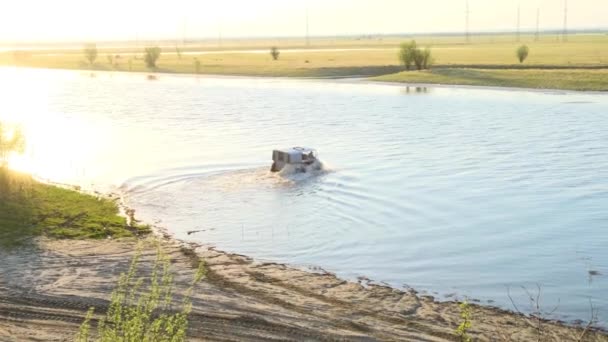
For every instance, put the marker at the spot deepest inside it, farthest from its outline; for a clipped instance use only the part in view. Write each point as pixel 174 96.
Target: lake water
pixel 452 191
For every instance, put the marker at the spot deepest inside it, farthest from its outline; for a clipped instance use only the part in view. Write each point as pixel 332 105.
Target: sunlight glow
pixel 129 20
pixel 56 146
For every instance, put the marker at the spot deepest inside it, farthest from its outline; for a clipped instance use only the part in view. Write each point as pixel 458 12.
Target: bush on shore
pixel 151 56
pixel 410 54
pixel 144 313
pixel 522 53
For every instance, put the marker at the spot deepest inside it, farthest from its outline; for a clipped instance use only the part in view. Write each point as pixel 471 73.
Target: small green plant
pixel 90 53
pixel 463 329
pixel 83 332
pixel 274 52
pixel 151 56
pixel 136 314
pixel 522 53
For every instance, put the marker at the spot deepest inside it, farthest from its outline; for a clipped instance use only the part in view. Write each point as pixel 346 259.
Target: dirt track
pixel 44 293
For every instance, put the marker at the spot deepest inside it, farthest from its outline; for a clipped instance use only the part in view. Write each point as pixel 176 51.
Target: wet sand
pixel 45 291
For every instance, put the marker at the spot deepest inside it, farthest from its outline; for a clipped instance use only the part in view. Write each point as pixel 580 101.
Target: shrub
pixel 197 66
pixel 409 54
pixel 274 52
pixel 406 55
pixel 135 315
pixel 152 54
pixel 522 53
pixel 465 325
pixel 11 141
pixel 427 59
pixel 90 53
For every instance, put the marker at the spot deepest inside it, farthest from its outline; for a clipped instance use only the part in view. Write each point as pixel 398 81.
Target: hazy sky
pixel 150 19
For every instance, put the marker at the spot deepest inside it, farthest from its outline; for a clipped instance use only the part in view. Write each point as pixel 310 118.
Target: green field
pixel 575 79
pixel 29 208
pixel 342 57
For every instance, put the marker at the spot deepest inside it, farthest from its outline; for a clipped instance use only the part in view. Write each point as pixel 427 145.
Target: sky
pixel 78 20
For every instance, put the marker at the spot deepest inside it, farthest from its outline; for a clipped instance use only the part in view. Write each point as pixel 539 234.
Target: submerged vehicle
pixel 298 157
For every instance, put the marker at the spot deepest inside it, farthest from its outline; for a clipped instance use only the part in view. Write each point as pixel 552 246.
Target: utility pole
pixel 537 34
pixel 466 29
pixel 219 35
pixel 565 32
pixel 518 22
pixel 184 22
pixel 307 32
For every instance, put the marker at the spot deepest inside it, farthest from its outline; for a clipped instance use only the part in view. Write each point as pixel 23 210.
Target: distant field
pixel 339 57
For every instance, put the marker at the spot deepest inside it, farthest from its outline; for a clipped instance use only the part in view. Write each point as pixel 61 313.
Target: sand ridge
pixel 45 291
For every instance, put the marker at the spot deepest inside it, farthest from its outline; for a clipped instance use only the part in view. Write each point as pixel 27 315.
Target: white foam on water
pixel 299 173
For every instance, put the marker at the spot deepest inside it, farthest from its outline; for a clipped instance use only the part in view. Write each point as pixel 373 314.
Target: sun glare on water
pixel 57 147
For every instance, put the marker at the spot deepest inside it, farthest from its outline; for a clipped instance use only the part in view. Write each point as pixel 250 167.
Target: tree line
pixel 410 55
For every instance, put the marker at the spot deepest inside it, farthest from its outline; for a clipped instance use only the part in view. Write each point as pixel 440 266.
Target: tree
pixel 274 52
pixel 427 59
pixel 409 54
pixel 418 58
pixel 152 54
pixel 197 66
pixel 406 53
pixel 11 141
pixel 90 53
pixel 522 53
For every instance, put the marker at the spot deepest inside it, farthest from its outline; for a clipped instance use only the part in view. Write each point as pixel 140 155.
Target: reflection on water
pixel 416 90
pixel 461 191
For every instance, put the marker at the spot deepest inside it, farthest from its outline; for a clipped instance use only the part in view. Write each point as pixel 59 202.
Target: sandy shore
pixel 45 291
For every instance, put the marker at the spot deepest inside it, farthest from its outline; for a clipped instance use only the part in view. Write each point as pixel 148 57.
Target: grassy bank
pixel 29 208
pixel 568 65
pixel 596 80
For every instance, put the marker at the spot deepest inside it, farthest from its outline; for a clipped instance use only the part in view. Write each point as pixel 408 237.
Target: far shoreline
pixel 354 79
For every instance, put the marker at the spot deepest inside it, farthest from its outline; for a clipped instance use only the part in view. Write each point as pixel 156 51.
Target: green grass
pixel 366 58
pixel 29 208
pixel 371 58
pixel 596 80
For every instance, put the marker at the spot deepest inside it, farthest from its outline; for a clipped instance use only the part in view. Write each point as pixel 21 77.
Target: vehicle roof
pixel 296 150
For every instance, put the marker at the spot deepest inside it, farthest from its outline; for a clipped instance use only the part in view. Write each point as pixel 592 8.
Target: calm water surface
pixel 456 192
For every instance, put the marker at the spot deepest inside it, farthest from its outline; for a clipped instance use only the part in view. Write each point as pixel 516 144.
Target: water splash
pixel 299 173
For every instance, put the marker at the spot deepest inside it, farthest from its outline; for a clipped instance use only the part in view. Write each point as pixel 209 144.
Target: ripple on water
pixel 455 191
